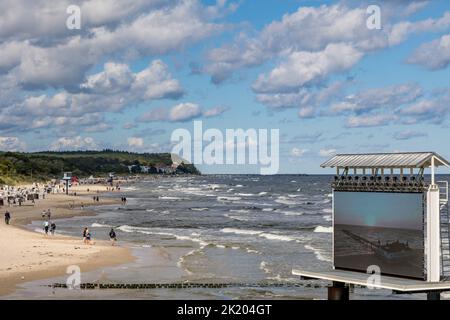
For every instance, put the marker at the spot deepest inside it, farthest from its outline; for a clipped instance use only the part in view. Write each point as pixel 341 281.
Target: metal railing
pixel 443 191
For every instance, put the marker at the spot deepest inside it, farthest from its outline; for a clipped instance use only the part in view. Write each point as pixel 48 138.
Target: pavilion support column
pixel 338 291
pixel 433 295
pixel 433 243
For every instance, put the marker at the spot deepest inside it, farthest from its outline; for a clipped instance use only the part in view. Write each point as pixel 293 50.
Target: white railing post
pixel 432 171
pixel 433 243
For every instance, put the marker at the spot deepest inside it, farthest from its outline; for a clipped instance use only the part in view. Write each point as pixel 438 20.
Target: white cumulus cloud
pixel 74 143
pixel 301 68
pixel 135 142
pixel 11 144
pixel 433 55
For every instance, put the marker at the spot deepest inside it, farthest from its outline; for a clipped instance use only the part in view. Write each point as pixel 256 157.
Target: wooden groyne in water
pixel 92 286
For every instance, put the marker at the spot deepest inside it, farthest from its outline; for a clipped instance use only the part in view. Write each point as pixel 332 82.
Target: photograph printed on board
pixel 381 229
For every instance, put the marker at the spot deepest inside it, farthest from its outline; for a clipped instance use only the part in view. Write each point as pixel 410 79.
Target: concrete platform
pixel 389 283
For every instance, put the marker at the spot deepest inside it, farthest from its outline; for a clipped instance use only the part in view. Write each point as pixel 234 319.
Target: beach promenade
pixel 27 255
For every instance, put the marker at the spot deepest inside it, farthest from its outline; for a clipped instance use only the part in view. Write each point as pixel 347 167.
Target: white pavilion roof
pixel 386 160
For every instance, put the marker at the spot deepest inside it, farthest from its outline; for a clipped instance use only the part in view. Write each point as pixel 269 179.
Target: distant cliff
pixel 18 167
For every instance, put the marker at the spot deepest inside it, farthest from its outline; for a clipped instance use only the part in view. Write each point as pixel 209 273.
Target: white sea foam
pixel 322 229
pixel 279 278
pixel 246 194
pixel 327 210
pixel 290 213
pixel 199 209
pixel 131 189
pixel 169 198
pixel 284 200
pixel 181 262
pixel 239 210
pixel 277 237
pixel 195 238
pixel 264 267
pixel 99 225
pixel 143 230
pixel 318 253
pixel 190 189
pixel 268 209
pixel 328 218
pixel 268 236
pixel 241 231
pixel 262 193
pixel 236 218
pixel 222 198
pixel 126 228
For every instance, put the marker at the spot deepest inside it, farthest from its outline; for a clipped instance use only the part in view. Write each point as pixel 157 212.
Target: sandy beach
pixel 28 255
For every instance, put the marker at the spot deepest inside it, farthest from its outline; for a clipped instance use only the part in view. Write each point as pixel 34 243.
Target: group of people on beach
pixel 46 214
pixel 12 196
pixel 87 237
pixel 117 187
pixel 48 226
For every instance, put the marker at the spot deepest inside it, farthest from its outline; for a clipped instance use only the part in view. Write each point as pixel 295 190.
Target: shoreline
pixel 28 255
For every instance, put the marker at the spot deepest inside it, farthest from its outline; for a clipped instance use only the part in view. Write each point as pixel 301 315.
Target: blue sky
pixel 137 70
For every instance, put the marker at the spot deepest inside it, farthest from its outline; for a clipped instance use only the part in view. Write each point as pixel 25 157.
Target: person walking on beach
pixel 52 228
pixel 112 237
pixel 87 238
pixel 7 217
pixel 46 226
pixel 85 232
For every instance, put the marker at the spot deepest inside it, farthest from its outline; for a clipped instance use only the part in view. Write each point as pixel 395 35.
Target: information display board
pixel 380 229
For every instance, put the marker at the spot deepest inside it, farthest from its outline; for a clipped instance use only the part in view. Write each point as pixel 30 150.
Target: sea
pixel 247 231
